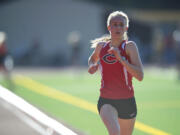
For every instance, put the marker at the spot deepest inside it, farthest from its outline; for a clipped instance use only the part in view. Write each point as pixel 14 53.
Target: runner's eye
pixel 115 24
pixel 118 24
pixel 121 24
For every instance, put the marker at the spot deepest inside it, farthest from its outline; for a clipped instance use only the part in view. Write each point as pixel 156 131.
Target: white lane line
pixel 30 122
pixel 34 112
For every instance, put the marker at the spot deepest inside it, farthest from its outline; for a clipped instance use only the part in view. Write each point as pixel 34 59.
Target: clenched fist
pixel 92 68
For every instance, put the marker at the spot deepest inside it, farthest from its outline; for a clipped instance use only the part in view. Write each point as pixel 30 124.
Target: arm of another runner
pixel 94 58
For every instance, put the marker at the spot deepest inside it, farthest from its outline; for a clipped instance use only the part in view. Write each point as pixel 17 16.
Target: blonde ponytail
pixel 96 41
pixel 125 36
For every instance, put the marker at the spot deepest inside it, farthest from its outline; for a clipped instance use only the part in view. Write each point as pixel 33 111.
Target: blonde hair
pixel 107 38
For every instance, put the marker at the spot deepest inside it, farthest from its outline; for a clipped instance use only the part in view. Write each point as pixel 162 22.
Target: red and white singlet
pixel 116 82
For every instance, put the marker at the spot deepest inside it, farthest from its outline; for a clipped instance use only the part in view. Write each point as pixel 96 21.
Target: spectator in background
pixel 158 46
pixel 74 38
pixel 176 35
pixel 6 61
pixel 3 50
pixel 169 50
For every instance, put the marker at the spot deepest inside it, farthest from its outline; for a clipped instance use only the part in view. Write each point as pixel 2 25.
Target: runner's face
pixel 117 27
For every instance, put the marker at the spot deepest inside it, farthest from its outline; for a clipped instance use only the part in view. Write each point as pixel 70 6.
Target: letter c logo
pixel 109 58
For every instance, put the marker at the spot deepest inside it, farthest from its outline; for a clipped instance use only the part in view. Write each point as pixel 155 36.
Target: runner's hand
pixel 93 68
pixel 116 52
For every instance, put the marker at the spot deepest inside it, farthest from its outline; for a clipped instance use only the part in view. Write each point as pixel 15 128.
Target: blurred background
pixel 44 49
pixel 54 32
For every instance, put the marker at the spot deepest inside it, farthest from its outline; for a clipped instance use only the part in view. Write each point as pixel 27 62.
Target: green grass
pixel 157 96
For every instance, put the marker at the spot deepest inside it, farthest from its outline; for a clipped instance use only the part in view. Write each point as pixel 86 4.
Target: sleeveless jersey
pixel 116 81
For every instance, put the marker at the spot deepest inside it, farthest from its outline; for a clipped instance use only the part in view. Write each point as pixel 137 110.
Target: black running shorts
pixel 126 108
